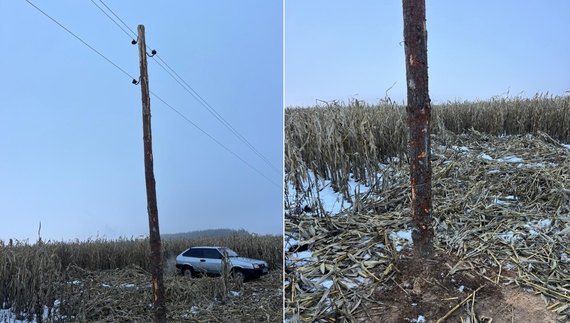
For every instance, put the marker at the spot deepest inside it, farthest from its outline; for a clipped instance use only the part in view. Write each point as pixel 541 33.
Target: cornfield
pixel 40 277
pixel 340 141
pixel 499 201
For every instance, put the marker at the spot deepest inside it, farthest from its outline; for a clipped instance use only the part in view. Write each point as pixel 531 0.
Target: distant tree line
pixel 205 233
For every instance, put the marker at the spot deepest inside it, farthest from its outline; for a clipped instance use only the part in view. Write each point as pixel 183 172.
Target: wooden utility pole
pixel 155 252
pixel 419 117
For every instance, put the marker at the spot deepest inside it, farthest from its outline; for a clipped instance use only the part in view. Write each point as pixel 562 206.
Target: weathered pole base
pixel 423 243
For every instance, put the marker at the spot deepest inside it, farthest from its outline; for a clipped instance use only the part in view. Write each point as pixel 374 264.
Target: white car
pixel 208 260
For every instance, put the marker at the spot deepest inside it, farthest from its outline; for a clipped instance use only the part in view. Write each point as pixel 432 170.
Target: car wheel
pixel 187 272
pixel 239 274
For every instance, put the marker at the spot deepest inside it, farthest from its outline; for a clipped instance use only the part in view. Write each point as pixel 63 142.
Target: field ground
pixel 501 206
pixel 418 291
pixel 125 295
pixel 72 282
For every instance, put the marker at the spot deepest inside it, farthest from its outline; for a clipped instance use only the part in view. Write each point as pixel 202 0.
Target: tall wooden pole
pixel 155 252
pixel 419 117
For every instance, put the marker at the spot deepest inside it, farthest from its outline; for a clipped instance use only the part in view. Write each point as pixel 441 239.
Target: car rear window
pixel 195 253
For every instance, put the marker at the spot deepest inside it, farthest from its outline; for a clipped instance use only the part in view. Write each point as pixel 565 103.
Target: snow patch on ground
pixel 510 159
pixel 9 316
pixel 509 236
pixel 303 258
pixel 402 238
pixel 462 148
pixel 534 227
pixel 355 282
pixel 327 283
pixel 333 202
pixel 485 156
pixel 505 200
pixel 420 319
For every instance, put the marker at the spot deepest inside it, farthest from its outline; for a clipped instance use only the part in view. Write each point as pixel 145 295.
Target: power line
pixel 214 139
pixel 108 60
pixel 135 34
pixel 216 114
pixel 81 40
pixel 103 11
pixel 194 94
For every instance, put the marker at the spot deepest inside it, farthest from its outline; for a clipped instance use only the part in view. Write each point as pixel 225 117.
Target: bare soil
pixel 423 290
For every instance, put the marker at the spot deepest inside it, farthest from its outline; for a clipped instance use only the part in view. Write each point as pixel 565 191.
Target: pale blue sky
pixel 71 150
pixel 476 49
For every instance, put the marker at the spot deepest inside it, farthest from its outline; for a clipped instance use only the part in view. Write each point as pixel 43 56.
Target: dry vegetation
pixel 501 205
pixel 338 141
pixel 109 280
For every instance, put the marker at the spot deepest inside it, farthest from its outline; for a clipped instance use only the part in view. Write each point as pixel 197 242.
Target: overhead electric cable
pixel 108 60
pixel 194 94
pixel 219 143
pixel 135 34
pixel 81 40
pixel 103 11
pixel 216 114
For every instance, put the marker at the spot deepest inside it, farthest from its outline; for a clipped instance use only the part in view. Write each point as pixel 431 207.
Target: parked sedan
pixel 208 260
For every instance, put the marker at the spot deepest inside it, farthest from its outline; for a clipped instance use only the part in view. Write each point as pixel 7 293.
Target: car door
pixel 212 260
pixel 194 258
